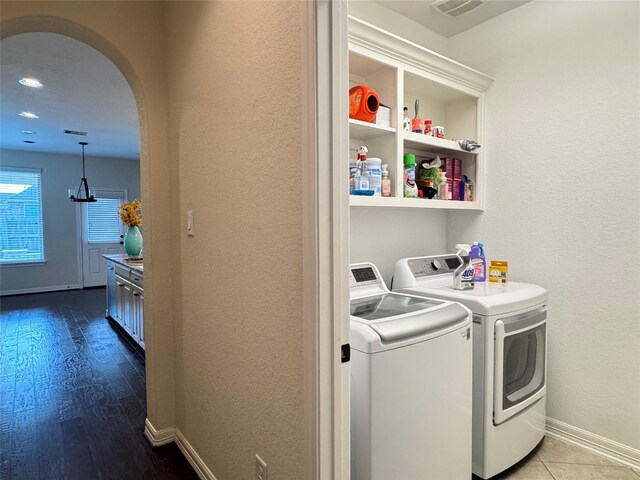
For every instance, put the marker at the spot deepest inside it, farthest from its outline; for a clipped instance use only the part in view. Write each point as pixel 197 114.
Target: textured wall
pixel 132 36
pixel 385 235
pixel 563 123
pixel 235 114
pixel 61 241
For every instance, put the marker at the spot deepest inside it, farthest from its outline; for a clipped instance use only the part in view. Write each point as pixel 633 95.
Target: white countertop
pixel 122 259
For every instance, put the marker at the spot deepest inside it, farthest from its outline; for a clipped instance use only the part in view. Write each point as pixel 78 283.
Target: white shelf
pixel 427 143
pixel 366 131
pixel 364 201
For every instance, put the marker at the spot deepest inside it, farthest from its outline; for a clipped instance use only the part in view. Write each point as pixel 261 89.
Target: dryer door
pixel 520 362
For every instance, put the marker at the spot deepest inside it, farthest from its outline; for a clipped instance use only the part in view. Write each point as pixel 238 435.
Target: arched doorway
pixel 127 50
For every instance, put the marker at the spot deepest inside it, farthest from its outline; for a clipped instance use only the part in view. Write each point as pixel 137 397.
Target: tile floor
pixel 554 459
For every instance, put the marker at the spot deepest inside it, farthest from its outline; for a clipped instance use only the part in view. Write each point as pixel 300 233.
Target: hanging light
pixel 83 192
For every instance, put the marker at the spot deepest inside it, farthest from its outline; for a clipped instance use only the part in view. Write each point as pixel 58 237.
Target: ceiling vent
pixel 75 132
pixel 454 8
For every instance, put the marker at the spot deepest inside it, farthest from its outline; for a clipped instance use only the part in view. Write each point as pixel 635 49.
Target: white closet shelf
pixel 366 131
pixel 364 201
pixel 416 141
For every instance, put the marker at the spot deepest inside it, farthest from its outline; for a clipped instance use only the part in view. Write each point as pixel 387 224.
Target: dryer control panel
pixel 427 266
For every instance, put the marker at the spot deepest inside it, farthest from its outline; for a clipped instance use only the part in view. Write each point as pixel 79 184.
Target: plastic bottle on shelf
pixel 374 172
pixel 443 187
pixel 409 177
pixel 478 262
pixel 386 181
pixel 406 121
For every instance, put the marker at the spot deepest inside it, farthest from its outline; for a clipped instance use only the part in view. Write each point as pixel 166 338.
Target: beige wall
pixel 218 86
pixel 235 122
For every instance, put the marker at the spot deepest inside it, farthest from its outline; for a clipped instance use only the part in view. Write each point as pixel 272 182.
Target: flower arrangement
pixel 130 213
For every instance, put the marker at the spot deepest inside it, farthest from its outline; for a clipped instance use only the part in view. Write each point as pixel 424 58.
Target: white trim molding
pixel 610 449
pixel 192 456
pixel 52 288
pixel 167 435
pixel 391 45
pixel 158 437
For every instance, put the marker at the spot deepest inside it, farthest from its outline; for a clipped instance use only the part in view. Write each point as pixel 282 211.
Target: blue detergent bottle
pixel 478 262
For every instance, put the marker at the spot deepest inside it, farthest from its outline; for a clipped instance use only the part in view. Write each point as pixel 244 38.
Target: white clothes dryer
pixel 411 383
pixel 509 357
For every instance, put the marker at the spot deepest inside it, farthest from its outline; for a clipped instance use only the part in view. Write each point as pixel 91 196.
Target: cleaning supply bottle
pixel 374 171
pixel 406 121
pixel 361 178
pixel 386 181
pixel 443 186
pixel 463 275
pixel 478 262
pixel 410 187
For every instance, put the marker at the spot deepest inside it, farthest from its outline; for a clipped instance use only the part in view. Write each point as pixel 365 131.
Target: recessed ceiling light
pixel 28 141
pixel 28 132
pixel 28 115
pixel 30 82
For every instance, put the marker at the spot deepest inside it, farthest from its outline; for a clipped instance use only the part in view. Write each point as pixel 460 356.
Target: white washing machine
pixel 509 357
pixel 411 381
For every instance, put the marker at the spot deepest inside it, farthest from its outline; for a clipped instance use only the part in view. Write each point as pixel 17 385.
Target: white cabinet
pixel 450 95
pixel 128 307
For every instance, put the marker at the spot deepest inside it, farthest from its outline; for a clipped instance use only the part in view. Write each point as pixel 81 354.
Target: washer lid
pixel 391 320
pixel 389 305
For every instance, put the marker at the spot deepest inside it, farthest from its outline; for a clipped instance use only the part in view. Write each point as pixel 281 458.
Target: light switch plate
pixel 190 231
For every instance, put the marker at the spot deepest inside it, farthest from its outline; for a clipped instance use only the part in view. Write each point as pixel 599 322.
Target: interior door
pixel 101 234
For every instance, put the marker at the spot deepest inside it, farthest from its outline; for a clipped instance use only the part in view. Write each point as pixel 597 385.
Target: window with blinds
pixel 103 222
pixel 21 236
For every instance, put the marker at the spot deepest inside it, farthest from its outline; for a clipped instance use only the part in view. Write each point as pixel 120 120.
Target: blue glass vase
pixel 133 242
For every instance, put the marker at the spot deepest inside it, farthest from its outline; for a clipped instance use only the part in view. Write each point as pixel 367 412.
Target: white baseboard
pixel 158 437
pixel 603 446
pixel 167 435
pixel 53 288
pixel 194 459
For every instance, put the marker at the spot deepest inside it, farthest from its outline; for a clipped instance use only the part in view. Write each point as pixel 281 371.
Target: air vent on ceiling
pixel 453 8
pixel 75 132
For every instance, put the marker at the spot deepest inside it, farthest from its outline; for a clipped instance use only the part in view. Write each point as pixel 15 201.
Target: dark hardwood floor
pixel 72 394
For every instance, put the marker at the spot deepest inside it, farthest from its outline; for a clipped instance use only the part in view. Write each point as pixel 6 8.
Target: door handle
pixel 121 242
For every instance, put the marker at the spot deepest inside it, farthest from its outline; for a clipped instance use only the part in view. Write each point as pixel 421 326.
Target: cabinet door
pixel 141 318
pixel 126 304
pixel 112 287
pixel 136 315
pixel 120 301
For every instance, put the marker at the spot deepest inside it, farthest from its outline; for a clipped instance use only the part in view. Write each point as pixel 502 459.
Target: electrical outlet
pixel 261 468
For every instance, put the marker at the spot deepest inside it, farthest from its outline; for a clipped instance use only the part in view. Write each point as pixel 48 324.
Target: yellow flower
pixel 130 213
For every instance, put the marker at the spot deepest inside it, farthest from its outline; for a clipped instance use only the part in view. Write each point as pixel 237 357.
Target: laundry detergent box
pixel 498 271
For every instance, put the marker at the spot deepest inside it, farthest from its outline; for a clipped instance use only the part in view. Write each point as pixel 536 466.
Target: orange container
pixel 363 103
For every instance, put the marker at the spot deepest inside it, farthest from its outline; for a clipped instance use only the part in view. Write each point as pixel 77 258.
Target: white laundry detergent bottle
pixel 463 276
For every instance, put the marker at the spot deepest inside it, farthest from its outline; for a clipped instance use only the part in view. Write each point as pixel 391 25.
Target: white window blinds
pixel 103 222
pixel 21 238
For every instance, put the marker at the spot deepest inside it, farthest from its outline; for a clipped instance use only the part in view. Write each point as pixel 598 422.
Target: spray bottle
pixel 362 178
pixel 463 275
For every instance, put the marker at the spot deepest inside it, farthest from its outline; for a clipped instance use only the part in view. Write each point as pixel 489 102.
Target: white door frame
pixel 325 240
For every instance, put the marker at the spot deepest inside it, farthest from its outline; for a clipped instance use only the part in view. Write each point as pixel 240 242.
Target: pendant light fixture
pixel 83 192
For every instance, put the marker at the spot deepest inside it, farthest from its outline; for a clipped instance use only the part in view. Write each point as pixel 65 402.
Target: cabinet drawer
pixel 122 272
pixel 136 279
